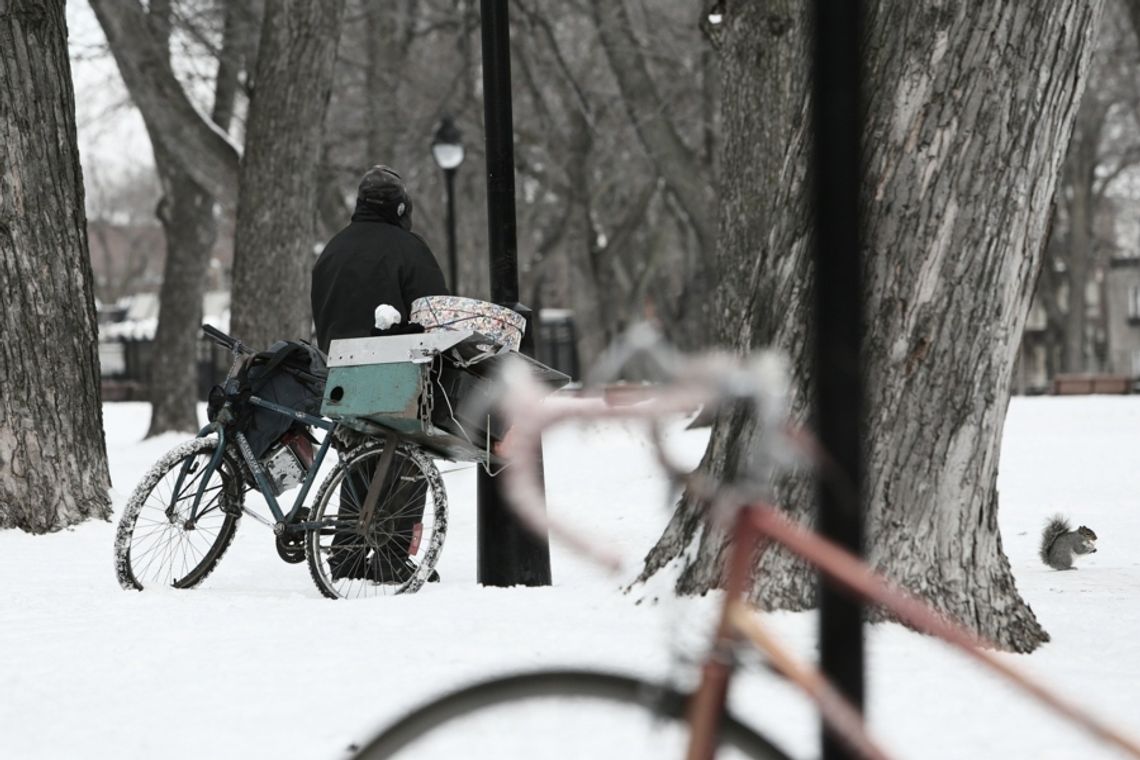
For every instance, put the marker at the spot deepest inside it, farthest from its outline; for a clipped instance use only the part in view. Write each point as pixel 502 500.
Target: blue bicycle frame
pixel 285 522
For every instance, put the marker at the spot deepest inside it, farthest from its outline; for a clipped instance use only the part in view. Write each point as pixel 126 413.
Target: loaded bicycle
pixel 387 406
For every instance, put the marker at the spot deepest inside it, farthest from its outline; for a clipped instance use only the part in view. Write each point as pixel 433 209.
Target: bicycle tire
pixel 412 476
pixel 658 700
pixel 163 540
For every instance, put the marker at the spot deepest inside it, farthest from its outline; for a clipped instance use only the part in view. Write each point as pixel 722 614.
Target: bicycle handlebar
pixel 711 379
pixel 226 341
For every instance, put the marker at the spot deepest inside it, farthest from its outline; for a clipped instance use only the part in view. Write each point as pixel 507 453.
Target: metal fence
pixel 125 368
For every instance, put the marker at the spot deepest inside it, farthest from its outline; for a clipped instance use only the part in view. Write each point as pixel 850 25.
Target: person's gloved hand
pixel 386 316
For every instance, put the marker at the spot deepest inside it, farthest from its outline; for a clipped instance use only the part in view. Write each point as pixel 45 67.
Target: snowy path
pixel 256 664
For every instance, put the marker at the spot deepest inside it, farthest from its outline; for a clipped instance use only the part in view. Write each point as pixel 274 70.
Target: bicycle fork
pixel 191 467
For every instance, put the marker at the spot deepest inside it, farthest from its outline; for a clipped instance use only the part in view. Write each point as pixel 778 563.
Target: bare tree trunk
pixel 1133 9
pixel 53 460
pixel 1077 274
pixel 196 164
pixel 1078 176
pixel 333 212
pixel 274 239
pixel 382 78
pixel 1046 290
pixel 968 116
pixel 172 120
pixel 237 56
pixel 680 166
pixel 187 215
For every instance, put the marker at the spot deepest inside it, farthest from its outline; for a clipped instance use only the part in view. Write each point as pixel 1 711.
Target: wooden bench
pixel 1071 385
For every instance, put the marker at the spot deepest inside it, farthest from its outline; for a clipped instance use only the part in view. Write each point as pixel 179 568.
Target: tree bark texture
pixel 969 109
pixel 53 460
pixel 274 239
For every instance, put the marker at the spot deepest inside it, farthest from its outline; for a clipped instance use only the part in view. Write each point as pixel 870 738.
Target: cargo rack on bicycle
pixel 433 389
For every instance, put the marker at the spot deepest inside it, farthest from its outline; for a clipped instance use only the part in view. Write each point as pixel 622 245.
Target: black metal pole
pixel 452 261
pixel 498 117
pixel 836 174
pixel 508 554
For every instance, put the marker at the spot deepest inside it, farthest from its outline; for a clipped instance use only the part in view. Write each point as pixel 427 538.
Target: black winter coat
pixel 370 262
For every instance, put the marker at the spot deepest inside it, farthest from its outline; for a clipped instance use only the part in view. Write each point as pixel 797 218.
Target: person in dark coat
pixel 375 260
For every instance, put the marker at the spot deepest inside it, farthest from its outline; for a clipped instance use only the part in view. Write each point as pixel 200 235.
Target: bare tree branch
pixel 687 177
pixel 1128 160
pixel 205 152
pixel 543 24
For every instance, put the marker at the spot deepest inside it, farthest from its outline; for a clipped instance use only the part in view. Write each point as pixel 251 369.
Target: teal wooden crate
pixel 417 385
pixel 386 394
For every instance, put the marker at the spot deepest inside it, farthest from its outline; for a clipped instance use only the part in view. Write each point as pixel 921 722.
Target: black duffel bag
pixel 290 373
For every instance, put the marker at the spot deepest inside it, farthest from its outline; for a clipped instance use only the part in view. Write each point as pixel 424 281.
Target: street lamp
pixel 447 149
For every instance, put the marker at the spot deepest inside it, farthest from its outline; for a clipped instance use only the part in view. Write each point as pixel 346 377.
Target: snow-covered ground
pixel 256 664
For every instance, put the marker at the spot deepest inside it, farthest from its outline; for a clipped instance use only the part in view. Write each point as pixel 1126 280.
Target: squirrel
pixel 1060 542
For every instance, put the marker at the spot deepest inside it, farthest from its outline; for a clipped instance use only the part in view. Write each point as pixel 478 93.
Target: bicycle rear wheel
pixel 557 714
pixel 397 551
pixel 157 544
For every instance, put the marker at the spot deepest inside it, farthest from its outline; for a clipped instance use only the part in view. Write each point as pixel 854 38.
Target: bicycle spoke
pixel 404 517
pixel 163 546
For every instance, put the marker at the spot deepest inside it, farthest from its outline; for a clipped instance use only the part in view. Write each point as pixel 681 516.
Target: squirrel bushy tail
pixel 1054 529
pixel 1060 544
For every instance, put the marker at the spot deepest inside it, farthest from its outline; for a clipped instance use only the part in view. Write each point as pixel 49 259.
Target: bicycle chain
pixel 427 395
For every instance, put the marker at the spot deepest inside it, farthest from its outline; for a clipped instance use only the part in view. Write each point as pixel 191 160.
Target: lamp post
pixel 839 402
pixel 447 150
pixel 508 553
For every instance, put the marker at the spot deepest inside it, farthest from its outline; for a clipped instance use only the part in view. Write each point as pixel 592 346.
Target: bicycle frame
pixel 752 526
pixel 738 621
pixel 284 522
pixel 374 527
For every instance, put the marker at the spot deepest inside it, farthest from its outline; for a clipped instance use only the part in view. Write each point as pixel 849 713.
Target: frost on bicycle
pixel 387 406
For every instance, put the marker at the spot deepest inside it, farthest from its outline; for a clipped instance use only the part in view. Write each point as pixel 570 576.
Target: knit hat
pixel 382 189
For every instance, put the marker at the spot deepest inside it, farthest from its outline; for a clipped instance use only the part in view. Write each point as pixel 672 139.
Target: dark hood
pixel 366 211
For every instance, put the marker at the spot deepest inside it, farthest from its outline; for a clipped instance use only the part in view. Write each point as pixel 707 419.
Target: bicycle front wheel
pixel 159 541
pixel 397 550
pixel 558 714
